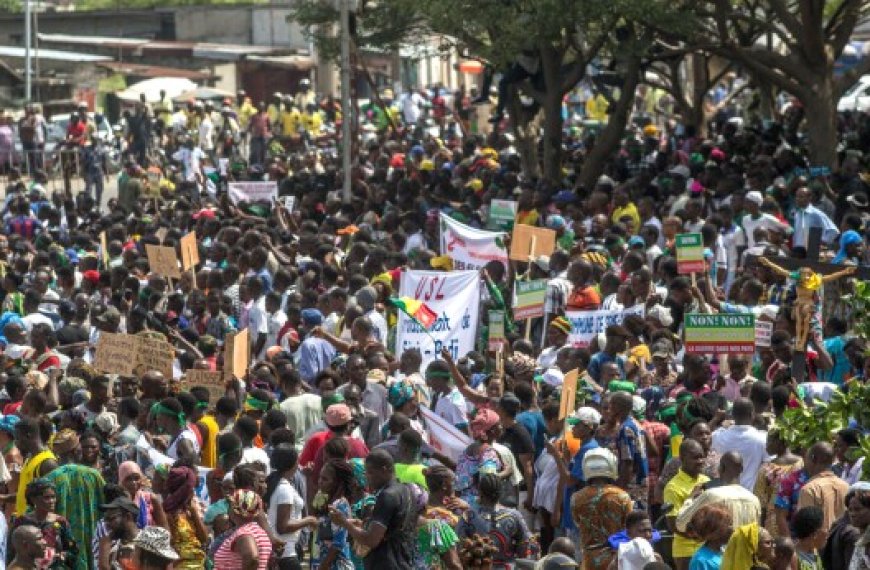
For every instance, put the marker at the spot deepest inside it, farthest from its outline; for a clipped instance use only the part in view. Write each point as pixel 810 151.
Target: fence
pixel 62 166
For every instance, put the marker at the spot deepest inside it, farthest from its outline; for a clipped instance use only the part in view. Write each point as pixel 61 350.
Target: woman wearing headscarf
pixel 62 550
pixel 750 548
pixel 150 505
pixel 189 533
pixel 403 397
pixel 478 458
pixel 849 253
pixel 248 542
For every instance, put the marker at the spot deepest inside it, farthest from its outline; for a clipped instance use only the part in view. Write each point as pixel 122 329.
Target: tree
pixel 807 37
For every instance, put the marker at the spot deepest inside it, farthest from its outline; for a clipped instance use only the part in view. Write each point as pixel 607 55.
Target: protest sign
pixel 213 381
pixel 154 354
pixel 690 253
pixel 470 248
pixel 104 249
pixel 237 354
pixel 763 332
pixel 521 242
pixel 455 298
pixel 189 251
pixel 116 354
pixel 131 355
pixel 163 261
pixel 529 299
pixel 253 192
pixel 497 338
pixel 586 324
pixel 721 333
pixel 569 394
pixel 444 435
pixel 502 214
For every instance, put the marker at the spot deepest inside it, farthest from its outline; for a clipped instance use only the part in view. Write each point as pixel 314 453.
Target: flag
pixel 417 310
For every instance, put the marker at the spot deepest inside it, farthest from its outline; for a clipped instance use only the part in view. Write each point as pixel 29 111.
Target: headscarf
pixel 126 469
pixel 245 503
pixel 483 422
pixel 561 324
pixel 400 394
pixel 252 403
pixel 522 363
pixel 741 549
pixel 180 485
pixel 64 441
pixel 847 239
pixel 8 422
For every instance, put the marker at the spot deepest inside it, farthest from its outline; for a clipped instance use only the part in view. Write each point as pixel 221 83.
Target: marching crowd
pixel 327 448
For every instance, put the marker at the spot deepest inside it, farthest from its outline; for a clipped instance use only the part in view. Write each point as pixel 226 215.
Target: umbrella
pixel 203 94
pixel 152 87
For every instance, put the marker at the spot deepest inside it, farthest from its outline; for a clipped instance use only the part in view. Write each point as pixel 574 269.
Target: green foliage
pixel 859 302
pixel 85 5
pixel 803 426
pixel 10 6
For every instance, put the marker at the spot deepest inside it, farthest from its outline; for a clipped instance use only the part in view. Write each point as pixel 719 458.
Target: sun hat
pixel 156 540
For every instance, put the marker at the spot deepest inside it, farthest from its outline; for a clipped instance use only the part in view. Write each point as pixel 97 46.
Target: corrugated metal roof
pixel 230 51
pixel 106 41
pixel 57 55
pixel 143 70
pixel 300 62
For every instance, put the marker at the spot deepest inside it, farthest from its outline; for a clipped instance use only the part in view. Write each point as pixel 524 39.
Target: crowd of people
pixel 327 450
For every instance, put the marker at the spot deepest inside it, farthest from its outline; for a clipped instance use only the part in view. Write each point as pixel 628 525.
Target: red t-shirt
pixel 76 132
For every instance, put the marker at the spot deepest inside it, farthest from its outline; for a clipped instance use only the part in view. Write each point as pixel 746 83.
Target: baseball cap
pixel 123 504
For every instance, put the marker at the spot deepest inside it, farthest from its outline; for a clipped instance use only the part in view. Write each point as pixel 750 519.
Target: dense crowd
pixel 333 446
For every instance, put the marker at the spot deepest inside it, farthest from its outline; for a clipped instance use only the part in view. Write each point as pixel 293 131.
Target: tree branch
pixel 842 24
pixel 812 40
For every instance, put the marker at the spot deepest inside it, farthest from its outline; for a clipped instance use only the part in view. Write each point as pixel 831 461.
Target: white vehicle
pixel 857 97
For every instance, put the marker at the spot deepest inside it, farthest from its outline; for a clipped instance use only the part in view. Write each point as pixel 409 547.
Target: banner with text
pixel 253 192
pixel 455 298
pixel 717 334
pixel 471 248
pixel 529 298
pixel 586 324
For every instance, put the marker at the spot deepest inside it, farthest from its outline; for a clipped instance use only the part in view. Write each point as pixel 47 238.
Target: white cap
pixel 553 377
pixel 755 197
pixel 588 416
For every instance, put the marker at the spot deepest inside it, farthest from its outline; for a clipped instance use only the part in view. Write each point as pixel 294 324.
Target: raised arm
pixel 476 398
pixel 843 273
pixel 773 267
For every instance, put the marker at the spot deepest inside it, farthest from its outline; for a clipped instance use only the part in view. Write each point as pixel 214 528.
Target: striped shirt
pixel 226 559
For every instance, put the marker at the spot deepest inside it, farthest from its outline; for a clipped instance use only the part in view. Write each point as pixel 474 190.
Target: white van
pixel 857 97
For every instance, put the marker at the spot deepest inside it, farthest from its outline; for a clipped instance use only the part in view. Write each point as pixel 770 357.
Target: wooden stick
pixel 528 278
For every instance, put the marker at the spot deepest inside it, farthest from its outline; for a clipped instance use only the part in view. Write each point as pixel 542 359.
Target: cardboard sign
pixel 690 253
pixel 154 354
pixel 497 338
pixel 569 394
pixel 521 242
pixel 189 251
pixel 763 332
pixel 130 355
pixel 163 261
pixel 116 354
pixel 104 249
pixel 502 214
pixel 529 297
pixel 237 354
pixel 718 334
pixel 199 377
pixel 253 192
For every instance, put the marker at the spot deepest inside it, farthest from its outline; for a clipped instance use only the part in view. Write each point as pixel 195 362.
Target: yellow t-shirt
pixel 677 491
pixel 290 121
pixel 596 108
pixel 528 217
pixel 312 122
pixel 29 472
pixel 209 441
pixel 245 112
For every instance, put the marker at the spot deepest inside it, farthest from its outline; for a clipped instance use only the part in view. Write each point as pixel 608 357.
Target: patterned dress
pixel 435 537
pixel 507 529
pixel 79 496
pixel 766 487
pixel 186 543
pixel 485 459
pixel 330 535
pixel 599 511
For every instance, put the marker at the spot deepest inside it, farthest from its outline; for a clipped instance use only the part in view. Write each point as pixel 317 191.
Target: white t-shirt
pixel 252 454
pixel 765 221
pixel 275 321
pixel 747 441
pixel 185 434
pixel 35 318
pixel 206 134
pixel 258 321
pixel 286 494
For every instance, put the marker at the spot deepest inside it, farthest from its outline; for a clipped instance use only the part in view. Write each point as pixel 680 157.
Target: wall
pixel 217 24
pixel 270 27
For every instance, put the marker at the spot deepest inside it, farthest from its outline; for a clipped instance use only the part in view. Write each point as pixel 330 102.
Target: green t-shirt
pixel 411 473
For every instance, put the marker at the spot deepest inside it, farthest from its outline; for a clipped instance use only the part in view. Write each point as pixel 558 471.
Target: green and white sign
pixel 690 253
pixel 529 299
pixel 497 337
pixel 502 214
pixel 721 333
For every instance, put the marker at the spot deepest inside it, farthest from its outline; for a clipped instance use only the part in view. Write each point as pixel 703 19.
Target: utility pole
pixel 28 72
pixel 346 110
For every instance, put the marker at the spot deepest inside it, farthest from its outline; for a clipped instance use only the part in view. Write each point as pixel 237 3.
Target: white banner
pixel 444 436
pixel 251 192
pixel 455 298
pixel 471 248
pixel 586 324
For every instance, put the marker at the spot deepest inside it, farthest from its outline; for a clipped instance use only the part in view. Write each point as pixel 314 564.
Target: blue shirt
pixel 576 469
pixel 599 359
pixel 812 217
pixel 706 559
pixel 534 422
pixel 842 366
pixel 315 354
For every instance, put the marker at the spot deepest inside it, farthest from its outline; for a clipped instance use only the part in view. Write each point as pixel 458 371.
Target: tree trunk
pixel 821 116
pixel 609 138
pixel 525 127
pixel 553 135
pixel 700 85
